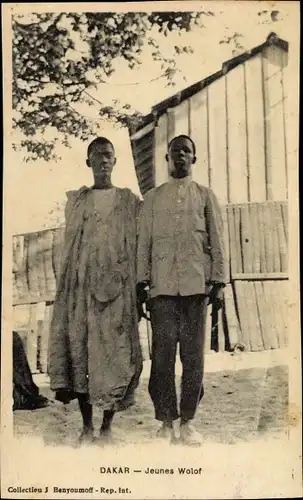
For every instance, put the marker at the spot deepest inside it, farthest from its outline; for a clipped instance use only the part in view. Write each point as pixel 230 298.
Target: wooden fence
pixel 255 308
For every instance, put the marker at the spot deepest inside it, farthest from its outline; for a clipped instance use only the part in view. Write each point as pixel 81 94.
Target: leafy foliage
pixel 59 58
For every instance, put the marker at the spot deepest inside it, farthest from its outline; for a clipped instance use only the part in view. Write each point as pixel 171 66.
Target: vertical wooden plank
pixel 25 263
pixel 242 308
pixel 24 267
pixel 284 207
pixel 217 139
pixel 271 319
pixel 246 239
pixel 261 236
pixel 40 264
pixel 281 240
pixel 283 296
pixel 181 118
pixel 199 134
pixel 32 264
pixel 17 290
pixel 238 249
pixel 45 337
pixel 285 85
pixel 275 238
pixel 233 327
pixel 274 120
pixel 255 128
pixel 47 246
pixel 268 237
pixel 236 135
pixel 232 240
pixel 171 123
pixel 226 242
pixel 20 266
pixel 256 341
pixel 58 241
pixel 256 259
pixel 263 315
pixel 32 338
pixel 161 141
pixel 282 292
pixel 273 288
pixel 249 322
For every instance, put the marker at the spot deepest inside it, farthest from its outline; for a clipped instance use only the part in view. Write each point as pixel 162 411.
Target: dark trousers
pixel 177 319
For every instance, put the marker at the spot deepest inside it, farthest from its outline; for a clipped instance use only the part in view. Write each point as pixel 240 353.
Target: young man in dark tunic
pixel 95 352
pixel 180 259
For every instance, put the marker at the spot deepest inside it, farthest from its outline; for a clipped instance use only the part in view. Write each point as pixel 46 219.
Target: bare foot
pixel 106 436
pixel 86 437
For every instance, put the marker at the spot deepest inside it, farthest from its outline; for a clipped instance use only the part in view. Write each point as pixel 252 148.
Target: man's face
pixel 181 155
pixel 101 160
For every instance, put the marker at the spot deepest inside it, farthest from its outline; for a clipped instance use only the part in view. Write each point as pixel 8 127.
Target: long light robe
pixel 94 339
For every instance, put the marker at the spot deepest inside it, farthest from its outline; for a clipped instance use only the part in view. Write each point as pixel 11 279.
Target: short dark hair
pixel 183 136
pixel 97 141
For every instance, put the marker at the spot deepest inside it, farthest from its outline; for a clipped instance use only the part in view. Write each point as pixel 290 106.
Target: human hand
pixel 142 292
pixel 216 295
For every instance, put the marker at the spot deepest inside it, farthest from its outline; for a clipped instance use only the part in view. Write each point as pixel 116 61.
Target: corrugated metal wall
pixel 238 125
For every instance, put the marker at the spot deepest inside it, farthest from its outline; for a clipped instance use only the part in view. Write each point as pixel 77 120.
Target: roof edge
pixel 159 109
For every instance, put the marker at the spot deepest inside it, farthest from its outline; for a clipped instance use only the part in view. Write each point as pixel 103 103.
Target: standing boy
pixel 181 261
pixel 95 352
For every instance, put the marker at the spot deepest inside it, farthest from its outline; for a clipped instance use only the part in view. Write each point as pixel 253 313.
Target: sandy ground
pixel 246 397
pixel 247 450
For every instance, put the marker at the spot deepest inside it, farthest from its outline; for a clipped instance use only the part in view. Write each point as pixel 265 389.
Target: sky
pixel 41 186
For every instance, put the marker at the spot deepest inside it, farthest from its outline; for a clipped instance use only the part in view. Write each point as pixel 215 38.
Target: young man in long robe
pixel 181 261
pixel 95 352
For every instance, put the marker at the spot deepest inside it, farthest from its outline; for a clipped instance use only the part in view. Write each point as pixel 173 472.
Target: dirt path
pixel 242 404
